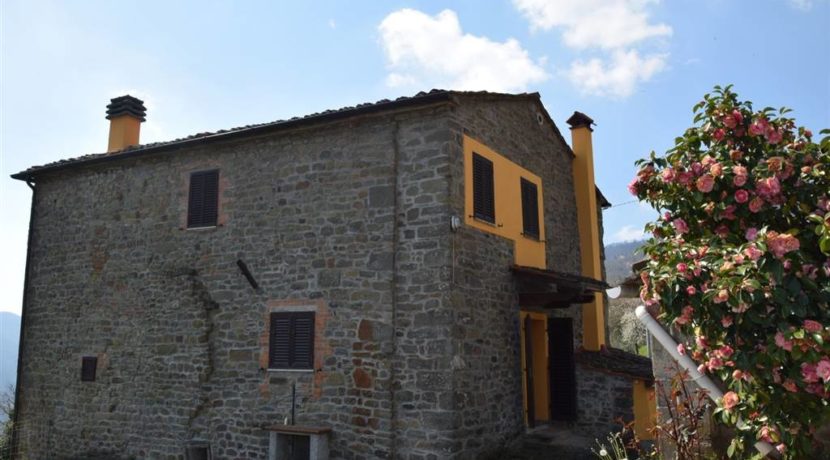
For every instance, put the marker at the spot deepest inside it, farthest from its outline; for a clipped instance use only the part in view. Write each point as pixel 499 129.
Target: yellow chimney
pixel 593 314
pixel 125 114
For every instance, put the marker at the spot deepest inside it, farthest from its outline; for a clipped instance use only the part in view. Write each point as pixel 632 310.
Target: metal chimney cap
pixel 126 105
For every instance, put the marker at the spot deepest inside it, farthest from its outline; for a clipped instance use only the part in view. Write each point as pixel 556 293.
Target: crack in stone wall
pixel 210 309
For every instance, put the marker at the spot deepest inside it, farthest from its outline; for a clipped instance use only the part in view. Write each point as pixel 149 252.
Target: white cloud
pixel 606 24
pixel 627 233
pixel 617 77
pixel 434 51
pixel 617 28
pixel 804 5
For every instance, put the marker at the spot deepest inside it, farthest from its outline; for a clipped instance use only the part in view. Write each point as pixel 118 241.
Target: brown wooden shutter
pixel 291 340
pixel 89 364
pixel 203 199
pixel 530 209
pixel 279 343
pixel 484 203
pixel 303 341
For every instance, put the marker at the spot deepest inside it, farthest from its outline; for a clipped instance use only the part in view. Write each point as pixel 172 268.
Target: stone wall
pixel 321 216
pixel 602 398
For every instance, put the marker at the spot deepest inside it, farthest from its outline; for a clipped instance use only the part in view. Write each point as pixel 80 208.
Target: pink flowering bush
pixel 739 264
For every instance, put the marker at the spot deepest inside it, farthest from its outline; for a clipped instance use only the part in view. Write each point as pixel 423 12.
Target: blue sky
pixel 635 66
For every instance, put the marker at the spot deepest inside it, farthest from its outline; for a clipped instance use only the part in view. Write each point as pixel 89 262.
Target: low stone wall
pixel 602 398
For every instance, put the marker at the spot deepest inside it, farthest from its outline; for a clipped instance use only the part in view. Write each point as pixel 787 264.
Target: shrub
pixel 739 263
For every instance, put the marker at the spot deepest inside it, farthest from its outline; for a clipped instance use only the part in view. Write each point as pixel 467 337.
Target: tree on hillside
pixel 739 263
pixel 7 417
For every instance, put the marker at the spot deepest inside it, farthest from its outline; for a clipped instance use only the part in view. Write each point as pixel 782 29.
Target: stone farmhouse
pixel 419 278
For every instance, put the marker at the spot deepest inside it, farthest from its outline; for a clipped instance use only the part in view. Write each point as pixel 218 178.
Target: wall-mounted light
pixel 455 223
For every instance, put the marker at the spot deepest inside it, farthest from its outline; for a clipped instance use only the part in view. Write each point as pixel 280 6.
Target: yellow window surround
pixel 529 251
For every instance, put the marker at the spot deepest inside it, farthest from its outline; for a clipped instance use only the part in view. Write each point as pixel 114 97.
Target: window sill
pixel 290 370
pixel 196 229
pixel 485 222
pixel 532 238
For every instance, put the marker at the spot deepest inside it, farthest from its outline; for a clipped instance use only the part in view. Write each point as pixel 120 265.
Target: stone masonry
pixel 416 349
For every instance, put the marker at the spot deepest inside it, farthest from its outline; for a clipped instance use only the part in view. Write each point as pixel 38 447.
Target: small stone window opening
pixel 88 366
pixel 530 209
pixel 203 199
pixel 484 203
pixel 291 341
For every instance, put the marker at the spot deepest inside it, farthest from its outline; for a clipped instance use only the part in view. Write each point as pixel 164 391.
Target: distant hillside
pixel 9 337
pixel 619 257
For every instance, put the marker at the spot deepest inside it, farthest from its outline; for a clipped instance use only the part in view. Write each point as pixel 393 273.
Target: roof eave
pixel 29 175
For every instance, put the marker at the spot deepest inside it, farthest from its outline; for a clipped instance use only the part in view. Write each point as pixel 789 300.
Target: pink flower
pixel 632 187
pixel 766 434
pixel 756 204
pixel 729 121
pixel 741 175
pixel 737 374
pixel 730 400
pixel 789 384
pixel 726 321
pixel 716 170
pixel 685 316
pixel 680 226
pixel 684 178
pixel 781 448
pixel 768 188
pixel 780 244
pixel 719 134
pixel 808 372
pixel 722 231
pixel 741 196
pixel 714 364
pixel 733 119
pixel 701 342
pixel 783 343
pixel 823 369
pixel 751 233
pixel 812 326
pixel 722 296
pixel 705 183
pixel 667 175
pixel 691 290
pixel 758 127
pixel 724 352
pixel 729 212
pixel 707 161
pixel 681 349
pixel 773 135
pixel 682 267
pixel 753 253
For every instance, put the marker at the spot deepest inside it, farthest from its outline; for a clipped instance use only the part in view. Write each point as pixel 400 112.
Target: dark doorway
pixel 562 369
pixel 528 364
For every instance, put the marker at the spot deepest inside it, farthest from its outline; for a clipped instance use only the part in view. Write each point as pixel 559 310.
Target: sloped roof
pixel 618 362
pixel 420 99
